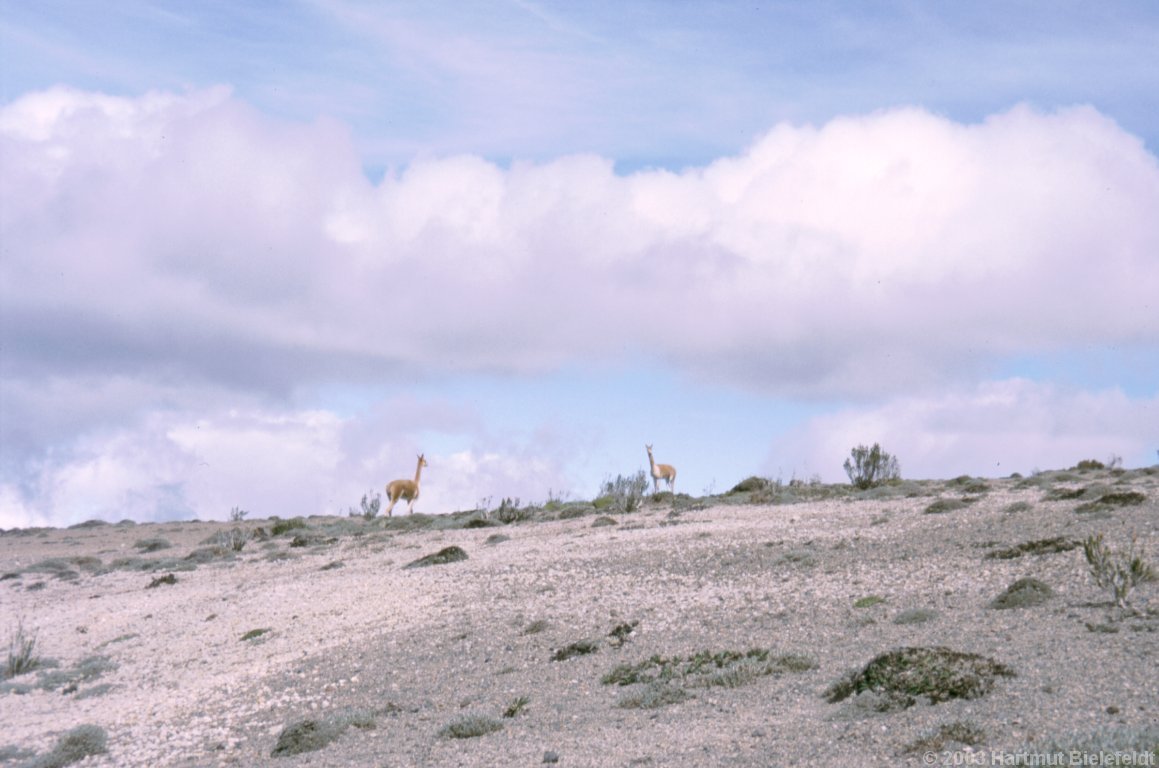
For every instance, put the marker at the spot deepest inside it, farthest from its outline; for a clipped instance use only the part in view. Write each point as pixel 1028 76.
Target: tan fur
pixel 405 489
pixel 665 472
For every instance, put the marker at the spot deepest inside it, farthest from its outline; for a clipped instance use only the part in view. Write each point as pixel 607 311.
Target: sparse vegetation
pixel 1108 501
pixel 254 634
pixel 915 616
pixel 869 601
pixel 624 494
pixel 446 555
pixel 1039 547
pixel 729 669
pixel 942 506
pixel 74 746
pixel 1024 593
pixel 516 706
pixel 159 581
pixel 22 655
pixel 869 467
pixel 369 506
pixel 311 735
pixel 470 726
pixel 285 526
pixel 900 678
pixel 510 511
pixel 1117 571
pixel 578 648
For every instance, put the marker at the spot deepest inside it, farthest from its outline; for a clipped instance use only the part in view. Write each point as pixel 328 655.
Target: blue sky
pixel 261 255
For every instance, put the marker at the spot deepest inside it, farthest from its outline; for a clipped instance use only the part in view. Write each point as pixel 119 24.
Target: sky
pixel 261 255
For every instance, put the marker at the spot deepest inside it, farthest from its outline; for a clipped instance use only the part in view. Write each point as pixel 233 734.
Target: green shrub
pixel 446 555
pixel 470 726
pixel 625 494
pixel 935 674
pixel 941 506
pixel 869 467
pixel 1024 593
pixel 1117 571
pixel 22 655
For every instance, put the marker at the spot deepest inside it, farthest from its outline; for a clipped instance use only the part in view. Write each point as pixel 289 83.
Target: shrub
pixel 74 746
pixel 868 602
pixel 1039 547
pixel 941 506
pixel 869 467
pixel 625 493
pixel 936 674
pixel 915 616
pixel 370 505
pixel 305 736
pixel 653 696
pixel 284 526
pixel 578 648
pixel 446 555
pixel 516 706
pixel 509 511
pixel 237 514
pixel 22 656
pixel 1120 571
pixel 1089 464
pixel 470 726
pixel 1023 593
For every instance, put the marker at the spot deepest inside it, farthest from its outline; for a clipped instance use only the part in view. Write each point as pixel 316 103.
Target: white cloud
pixel 166 255
pixel 990 429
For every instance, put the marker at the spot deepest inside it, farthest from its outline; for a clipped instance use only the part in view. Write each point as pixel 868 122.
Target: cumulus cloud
pixel 168 255
pixel 191 232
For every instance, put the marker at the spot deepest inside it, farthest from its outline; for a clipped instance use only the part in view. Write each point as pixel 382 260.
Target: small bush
pixel 653 696
pixel 152 545
pixel 869 601
pixel 167 579
pixel 1087 465
pixel 915 616
pixel 446 555
pixel 253 634
pixel 750 484
pixel 1117 571
pixel 285 526
pixel 941 506
pixel 470 726
pixel 305 736
pixel 1017 507
pixel 1024 593
pixel 509 511
pixel 22 655
pixel 869 467
pixel 1109 500
pixel 579 648
pixel 625 494
pixel 74 746
pixel 935 674
pixel 516 706
pixel 370 505
pixel 1039 547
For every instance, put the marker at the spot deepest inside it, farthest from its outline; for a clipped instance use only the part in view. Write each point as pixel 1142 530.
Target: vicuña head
pixel 665 472
pixel 405 489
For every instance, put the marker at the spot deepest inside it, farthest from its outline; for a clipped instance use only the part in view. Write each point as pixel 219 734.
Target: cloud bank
pixel 177 255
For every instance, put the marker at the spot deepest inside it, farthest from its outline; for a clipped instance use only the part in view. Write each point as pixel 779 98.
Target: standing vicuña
pixel 405 489
pixel 665 472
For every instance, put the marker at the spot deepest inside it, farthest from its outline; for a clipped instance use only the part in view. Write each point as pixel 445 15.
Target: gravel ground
pixel 383 658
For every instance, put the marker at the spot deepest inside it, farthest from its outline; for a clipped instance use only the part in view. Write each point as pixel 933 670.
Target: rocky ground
pixel 739 630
